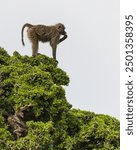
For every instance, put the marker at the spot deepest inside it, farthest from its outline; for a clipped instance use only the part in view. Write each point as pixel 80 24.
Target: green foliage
pixel 3 56
pixel 97 135
pixel 5 135
pixel 51 123
pixel 39 137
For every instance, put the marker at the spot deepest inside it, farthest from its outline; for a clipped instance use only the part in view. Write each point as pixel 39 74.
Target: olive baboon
pixel 44 33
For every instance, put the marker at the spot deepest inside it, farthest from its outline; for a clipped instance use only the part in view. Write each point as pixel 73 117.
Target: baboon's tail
pixel 25 25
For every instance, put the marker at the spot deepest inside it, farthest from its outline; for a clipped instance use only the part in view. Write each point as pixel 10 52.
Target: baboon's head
pixel 61 28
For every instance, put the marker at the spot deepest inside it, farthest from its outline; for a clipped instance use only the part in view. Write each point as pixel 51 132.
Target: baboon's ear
pixel 59 26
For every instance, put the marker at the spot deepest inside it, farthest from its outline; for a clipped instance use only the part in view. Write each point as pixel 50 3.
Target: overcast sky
pixel 90 55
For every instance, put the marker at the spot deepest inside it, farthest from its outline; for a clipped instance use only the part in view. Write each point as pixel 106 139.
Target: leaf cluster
pixel 52 123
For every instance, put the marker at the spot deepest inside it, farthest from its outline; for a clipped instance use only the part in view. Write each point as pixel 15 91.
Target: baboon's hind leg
pixel 35 48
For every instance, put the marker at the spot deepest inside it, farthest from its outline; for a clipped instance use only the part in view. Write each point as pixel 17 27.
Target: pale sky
pixel 90 55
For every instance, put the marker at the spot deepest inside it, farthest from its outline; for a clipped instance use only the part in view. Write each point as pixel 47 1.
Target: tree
pixel 32 94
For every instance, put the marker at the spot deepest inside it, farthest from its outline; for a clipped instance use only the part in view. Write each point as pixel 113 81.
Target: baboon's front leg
pixel 54 48
pixel 53 44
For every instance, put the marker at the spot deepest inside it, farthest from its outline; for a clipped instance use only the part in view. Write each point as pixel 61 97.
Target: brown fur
pixel 44 33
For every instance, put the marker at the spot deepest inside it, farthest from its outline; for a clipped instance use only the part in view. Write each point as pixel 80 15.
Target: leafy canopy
pixel 52 123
